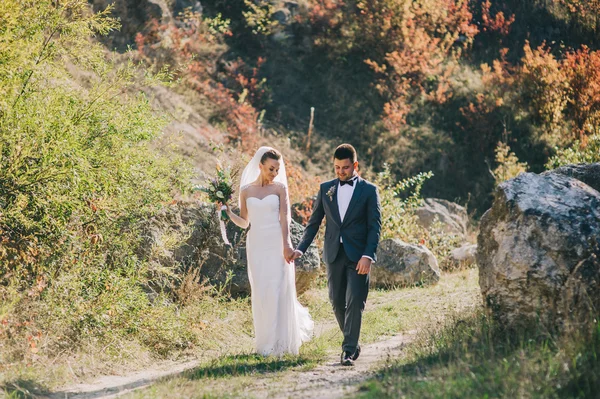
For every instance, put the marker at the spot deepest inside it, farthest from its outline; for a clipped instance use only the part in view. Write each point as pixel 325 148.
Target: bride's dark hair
pixel 272 153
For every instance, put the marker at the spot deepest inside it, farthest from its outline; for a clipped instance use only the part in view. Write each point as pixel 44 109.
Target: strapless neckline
pixel 260 199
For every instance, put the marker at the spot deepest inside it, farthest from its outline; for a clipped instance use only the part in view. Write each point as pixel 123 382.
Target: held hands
pixel 288 254
pixel 296 254
pixel 364 265
pixel 292 256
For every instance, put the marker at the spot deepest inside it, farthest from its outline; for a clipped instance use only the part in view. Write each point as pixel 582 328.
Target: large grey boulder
pixel 225 267
pixel 400 265
pixel 538 247
pixel 587 173
pixel 453 216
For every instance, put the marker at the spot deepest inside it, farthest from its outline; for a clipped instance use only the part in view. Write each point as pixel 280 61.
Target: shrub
pixel 399 200
pixel 577 153
pixel 77 176
pixel 508 164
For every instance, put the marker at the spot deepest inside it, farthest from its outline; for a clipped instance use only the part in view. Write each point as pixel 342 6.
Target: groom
pixel 353 212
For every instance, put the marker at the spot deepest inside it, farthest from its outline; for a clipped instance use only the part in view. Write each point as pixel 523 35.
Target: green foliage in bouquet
pixel 219 189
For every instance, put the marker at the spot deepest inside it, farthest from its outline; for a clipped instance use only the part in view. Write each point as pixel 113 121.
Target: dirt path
pixel 328 379
pixel 331 380
pixel 113 386
pixel 301 384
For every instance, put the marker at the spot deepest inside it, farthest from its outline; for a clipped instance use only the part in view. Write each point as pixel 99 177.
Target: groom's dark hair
pixel 345 151
pixel 272 153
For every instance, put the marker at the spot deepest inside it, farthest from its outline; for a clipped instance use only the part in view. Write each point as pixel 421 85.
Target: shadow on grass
pixel 244 364
pixel 22 389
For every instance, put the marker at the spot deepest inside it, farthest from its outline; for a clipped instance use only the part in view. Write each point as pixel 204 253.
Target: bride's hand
pixel 288 253
pixel 220 204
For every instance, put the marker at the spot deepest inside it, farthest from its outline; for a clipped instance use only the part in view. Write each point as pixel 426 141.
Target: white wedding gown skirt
pixel 281 323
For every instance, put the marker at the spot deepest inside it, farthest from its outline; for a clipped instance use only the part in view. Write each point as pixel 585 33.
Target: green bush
pixel 76 168
pixel 399 200
pixel 577 153
pixel 78 175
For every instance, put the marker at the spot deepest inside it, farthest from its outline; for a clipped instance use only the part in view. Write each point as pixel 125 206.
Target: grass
pixel 218 325
pixel 242 374
pixel 223 331
pixel 473 357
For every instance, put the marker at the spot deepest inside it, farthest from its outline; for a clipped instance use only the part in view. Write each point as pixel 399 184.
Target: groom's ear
pixel 355 165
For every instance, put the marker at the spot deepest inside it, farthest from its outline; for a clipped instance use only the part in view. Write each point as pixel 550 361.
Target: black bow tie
pixel 349 182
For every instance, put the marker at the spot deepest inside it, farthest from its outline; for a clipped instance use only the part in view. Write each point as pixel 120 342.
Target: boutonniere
pixel 331 192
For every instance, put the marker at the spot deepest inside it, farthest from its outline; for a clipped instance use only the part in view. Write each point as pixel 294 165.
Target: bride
pixel 281 324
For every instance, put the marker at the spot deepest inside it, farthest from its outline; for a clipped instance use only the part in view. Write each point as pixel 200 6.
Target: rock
pixel 587 173
pixel 283 16
pixel 538 248
pixel 179 6
pixel 225 267
pixel 463 257
pixel 400 264
pixel 453 216
pixel 307 266
pixel 292 5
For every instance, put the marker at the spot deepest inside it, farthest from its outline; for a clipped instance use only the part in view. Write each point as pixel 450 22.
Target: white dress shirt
pixel 344 196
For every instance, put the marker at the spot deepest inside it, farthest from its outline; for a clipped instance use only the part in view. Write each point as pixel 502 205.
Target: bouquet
pixel 219 189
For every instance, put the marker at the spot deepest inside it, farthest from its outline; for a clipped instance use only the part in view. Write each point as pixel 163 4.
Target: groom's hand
pixel 364 265
pixel 296 254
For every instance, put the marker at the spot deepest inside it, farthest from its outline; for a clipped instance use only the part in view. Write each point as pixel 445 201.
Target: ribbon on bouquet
pixel 220 213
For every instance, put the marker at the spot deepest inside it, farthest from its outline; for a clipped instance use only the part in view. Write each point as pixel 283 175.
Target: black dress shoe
pixel 347 359
pixel 356 353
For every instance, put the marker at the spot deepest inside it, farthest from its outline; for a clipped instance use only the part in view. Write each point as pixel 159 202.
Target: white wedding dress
pixel 281 323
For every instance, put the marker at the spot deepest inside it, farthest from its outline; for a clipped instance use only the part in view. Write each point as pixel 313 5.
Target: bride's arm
pixel 284 220
pixel 242 220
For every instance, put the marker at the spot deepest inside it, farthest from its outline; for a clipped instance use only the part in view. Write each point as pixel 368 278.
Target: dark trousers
pixel 348 292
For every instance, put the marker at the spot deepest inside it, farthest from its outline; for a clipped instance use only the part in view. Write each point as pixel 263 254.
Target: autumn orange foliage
pixel 560 96
pixel 410 45
pixel 188 42
pixel 499 23
pixel 582 68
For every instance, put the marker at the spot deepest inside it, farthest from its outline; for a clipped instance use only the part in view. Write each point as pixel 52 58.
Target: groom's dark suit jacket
pixel 360 229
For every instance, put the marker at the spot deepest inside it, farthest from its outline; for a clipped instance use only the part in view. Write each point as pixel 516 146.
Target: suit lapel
pixel 355 196
pixel 333 204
